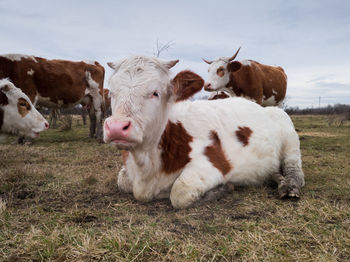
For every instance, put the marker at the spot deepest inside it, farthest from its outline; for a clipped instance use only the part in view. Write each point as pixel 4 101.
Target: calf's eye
pixel 156 94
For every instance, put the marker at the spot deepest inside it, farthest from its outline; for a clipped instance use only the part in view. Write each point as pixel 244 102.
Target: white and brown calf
pixel 17 113
pixel 184 149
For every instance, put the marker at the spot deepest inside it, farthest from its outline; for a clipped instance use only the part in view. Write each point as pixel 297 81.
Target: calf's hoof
pixel 218 192
pixel 288 191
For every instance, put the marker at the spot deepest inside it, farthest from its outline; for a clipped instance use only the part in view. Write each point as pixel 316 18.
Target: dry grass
pixel 59 202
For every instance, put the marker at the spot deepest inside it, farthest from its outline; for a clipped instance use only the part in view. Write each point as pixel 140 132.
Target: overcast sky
pixel 310 39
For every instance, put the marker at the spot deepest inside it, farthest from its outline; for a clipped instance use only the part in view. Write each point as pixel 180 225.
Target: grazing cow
pixel 57 83
pixel 263 84
pixel 219 95
pixel 17 113
pixel 184 149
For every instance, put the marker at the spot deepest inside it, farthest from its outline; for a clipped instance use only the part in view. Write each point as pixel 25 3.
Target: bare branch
pixel 161 48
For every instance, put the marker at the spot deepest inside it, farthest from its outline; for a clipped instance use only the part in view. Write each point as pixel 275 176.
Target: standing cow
pixel 17 113
pixel 184 149
pixel 58 83
pixel 263 84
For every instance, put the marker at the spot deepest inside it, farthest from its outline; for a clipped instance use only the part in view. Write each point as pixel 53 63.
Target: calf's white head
pixel 219 72
pixel 17 113
pixel 142 93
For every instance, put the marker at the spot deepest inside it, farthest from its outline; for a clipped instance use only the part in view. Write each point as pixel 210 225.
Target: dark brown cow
pixel 263 84
pixel 58 83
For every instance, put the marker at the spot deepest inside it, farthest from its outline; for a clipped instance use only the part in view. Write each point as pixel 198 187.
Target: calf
pixel 58 83
pixel 17 113
pixel 263 84
pixel 184 149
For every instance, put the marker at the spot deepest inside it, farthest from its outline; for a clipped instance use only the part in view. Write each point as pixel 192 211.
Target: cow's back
pixel 251 136
pixel 55 82
pixel 20 69
pixel 247 81
pixel 274 81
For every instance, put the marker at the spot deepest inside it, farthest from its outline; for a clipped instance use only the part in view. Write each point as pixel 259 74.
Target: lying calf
pixel 184 149
pixel 17 113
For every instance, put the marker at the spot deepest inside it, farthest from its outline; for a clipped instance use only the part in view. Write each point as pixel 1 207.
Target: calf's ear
pixel 234 66
pixel 186 84
pixel 114 65
pixel 171 63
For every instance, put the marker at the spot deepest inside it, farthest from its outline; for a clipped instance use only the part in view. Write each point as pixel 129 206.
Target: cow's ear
pixel 234 66
pixel 114 65
pixel 171 63
pixel 186 84
pixel 5 88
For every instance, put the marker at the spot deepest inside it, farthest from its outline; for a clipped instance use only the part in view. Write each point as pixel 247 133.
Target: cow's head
pixel 17 113
pixel 219 72
pixel 142 93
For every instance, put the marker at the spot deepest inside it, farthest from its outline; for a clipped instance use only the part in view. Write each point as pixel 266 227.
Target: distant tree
pixel 163 47
pixel 284 105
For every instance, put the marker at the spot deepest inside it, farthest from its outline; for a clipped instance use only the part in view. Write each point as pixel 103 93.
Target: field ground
pixel 59 202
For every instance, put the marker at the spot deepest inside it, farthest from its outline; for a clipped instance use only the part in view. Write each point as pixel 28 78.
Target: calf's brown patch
pixel 175 146
pixel 220 95
pixel 220 71
pixel 243 134
pixel 23 107
pixel 125 155
pixel 216 155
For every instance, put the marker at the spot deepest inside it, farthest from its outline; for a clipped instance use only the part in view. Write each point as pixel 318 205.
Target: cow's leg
pixel 92 117
pixel 83 115
pixel 293 176
pixel 21 140
pixel 193 183
pixel 53 118
pixel 124 182
pixel 99 129
pixel 218 192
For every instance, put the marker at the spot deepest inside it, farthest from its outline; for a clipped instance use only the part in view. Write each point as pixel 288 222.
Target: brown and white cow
pixel 263 84
pixel 17 113
pixel 57 83
pixel 184 149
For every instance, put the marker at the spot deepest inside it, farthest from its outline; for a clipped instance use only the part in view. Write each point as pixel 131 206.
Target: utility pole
pixel 319 102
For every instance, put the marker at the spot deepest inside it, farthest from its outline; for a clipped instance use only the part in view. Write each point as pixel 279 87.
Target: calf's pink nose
pixel 117 129
pixel 46 125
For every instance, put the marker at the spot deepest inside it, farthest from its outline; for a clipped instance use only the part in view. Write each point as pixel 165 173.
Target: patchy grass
pixel 59 202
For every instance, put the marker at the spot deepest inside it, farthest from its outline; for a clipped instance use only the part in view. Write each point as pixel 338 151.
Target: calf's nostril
pixel 126 127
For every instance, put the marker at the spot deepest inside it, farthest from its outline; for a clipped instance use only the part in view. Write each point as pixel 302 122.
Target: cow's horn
pixel 207 61
pixel 234 56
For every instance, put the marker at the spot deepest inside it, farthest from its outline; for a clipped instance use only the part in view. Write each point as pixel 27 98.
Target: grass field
pixel 59 202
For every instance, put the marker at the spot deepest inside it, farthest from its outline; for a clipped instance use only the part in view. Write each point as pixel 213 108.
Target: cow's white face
pixel 218 75
pixel 141 95
pixel 219 72
pixel 17 113
pixel 140 91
